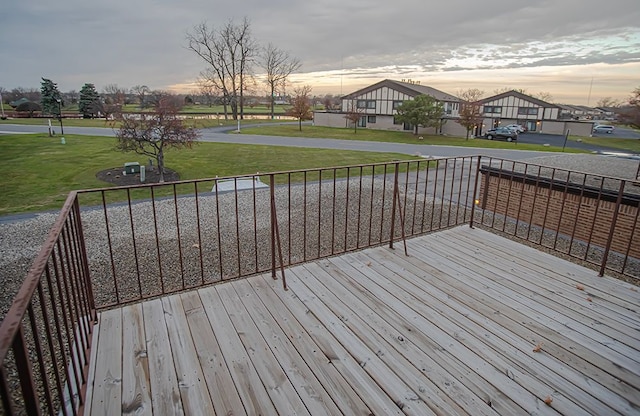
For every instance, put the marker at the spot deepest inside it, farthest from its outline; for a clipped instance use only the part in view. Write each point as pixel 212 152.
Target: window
pixel 396 122
pixel 397 103
pixel 370 104
pixel 527 111
pixel 371 119
pixel 492 109
pixel 362 121
pixel 448 108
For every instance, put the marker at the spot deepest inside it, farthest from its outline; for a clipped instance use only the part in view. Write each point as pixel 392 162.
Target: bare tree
pixel 509 89
pixel 228 53
pixel 141 91
pixel 544 96
pixel 353 114
pixel 607 102
pixel 470 109
pixel 278 65
pixel 301 105
pixel 151 133
pixel 630 114
pixel 155 97
pixel 207 90
pixel 114 94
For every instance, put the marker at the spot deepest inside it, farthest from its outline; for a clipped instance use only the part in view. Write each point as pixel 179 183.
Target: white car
pixel 516 127
pixel 603 129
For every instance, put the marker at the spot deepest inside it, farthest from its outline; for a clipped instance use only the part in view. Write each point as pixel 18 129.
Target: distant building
pixel 378 104
pixel 535 115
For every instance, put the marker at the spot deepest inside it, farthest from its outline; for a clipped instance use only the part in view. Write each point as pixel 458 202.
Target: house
pixel 513 107
pixel 378 104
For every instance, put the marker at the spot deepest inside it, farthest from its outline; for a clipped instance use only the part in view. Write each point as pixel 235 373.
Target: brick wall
pixel 584 215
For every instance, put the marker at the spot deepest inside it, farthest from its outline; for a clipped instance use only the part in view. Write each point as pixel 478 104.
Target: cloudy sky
pixel 579 51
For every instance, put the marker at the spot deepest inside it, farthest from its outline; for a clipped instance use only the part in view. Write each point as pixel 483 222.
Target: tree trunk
pixel 160 162
pixel 300 123
pixel 272 100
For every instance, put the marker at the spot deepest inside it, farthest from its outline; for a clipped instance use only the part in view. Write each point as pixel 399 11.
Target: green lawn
pixel 39 171
pixel 393 137
pixel 632 145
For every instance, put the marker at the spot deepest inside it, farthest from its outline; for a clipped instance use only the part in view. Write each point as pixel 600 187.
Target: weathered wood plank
pixel 455 286
pixel 224 395
pixel 484 279
pixel 514 345
pixel 518 362
pixel 191 381
pixel 304 381
pixel 347 364
pixel 338 388
pixel 165 393
pixel 273 376
pixel 107 389
pixel 550 292
pixel 368 349
pixel 91 376
pixel 548 273
pixel 446 330
pixel 255 398
pixel 567 271
pixel 415 339
pixel 136 386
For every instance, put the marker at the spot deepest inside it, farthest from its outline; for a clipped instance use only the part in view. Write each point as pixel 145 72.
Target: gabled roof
pixel 519 95
pixel 406 88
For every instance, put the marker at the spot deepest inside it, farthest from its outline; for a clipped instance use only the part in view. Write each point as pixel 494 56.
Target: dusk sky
pixel 579 51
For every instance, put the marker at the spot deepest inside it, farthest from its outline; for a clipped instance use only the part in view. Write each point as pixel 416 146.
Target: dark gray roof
pixel 408 88
pixel 519 95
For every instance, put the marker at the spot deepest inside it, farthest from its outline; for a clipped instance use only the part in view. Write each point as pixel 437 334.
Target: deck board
pixel 449 329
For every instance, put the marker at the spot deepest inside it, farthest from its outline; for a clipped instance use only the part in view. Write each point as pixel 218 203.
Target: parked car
pixel 603 128
pixel 517 128
pixel 501 133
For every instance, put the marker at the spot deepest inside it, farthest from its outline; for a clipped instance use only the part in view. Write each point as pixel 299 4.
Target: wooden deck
pixel 469 323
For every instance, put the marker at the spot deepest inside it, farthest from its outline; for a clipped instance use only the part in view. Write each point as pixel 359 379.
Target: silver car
pixel 603 128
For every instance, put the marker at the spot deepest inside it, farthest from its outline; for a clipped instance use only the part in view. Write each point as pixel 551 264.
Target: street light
pixel 60 115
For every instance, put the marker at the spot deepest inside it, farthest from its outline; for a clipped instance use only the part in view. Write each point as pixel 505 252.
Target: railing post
pixel 393 205
pixel 273 225
pixel 614 220
pixel 475 192
pixel 25 372
pixel 85 260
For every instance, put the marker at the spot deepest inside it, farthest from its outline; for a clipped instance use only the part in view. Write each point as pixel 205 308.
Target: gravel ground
pixel 203 259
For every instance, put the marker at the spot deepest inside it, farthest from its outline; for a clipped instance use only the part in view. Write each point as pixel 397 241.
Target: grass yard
pixel 393 137
pixel 632 145
pixel 39 172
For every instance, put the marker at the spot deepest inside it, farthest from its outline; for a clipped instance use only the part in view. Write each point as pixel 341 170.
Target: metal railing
pixel 45 338
pixel 133 243
pixel 146 241
pixel 589 217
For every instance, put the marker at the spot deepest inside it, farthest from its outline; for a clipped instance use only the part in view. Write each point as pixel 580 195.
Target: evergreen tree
pixel 423 110
pixel 49 96
pixel 89 103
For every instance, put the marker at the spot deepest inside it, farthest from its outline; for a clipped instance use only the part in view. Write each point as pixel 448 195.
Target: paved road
pixel 220 135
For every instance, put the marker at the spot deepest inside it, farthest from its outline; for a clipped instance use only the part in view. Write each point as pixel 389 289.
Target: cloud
pixel 143 41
